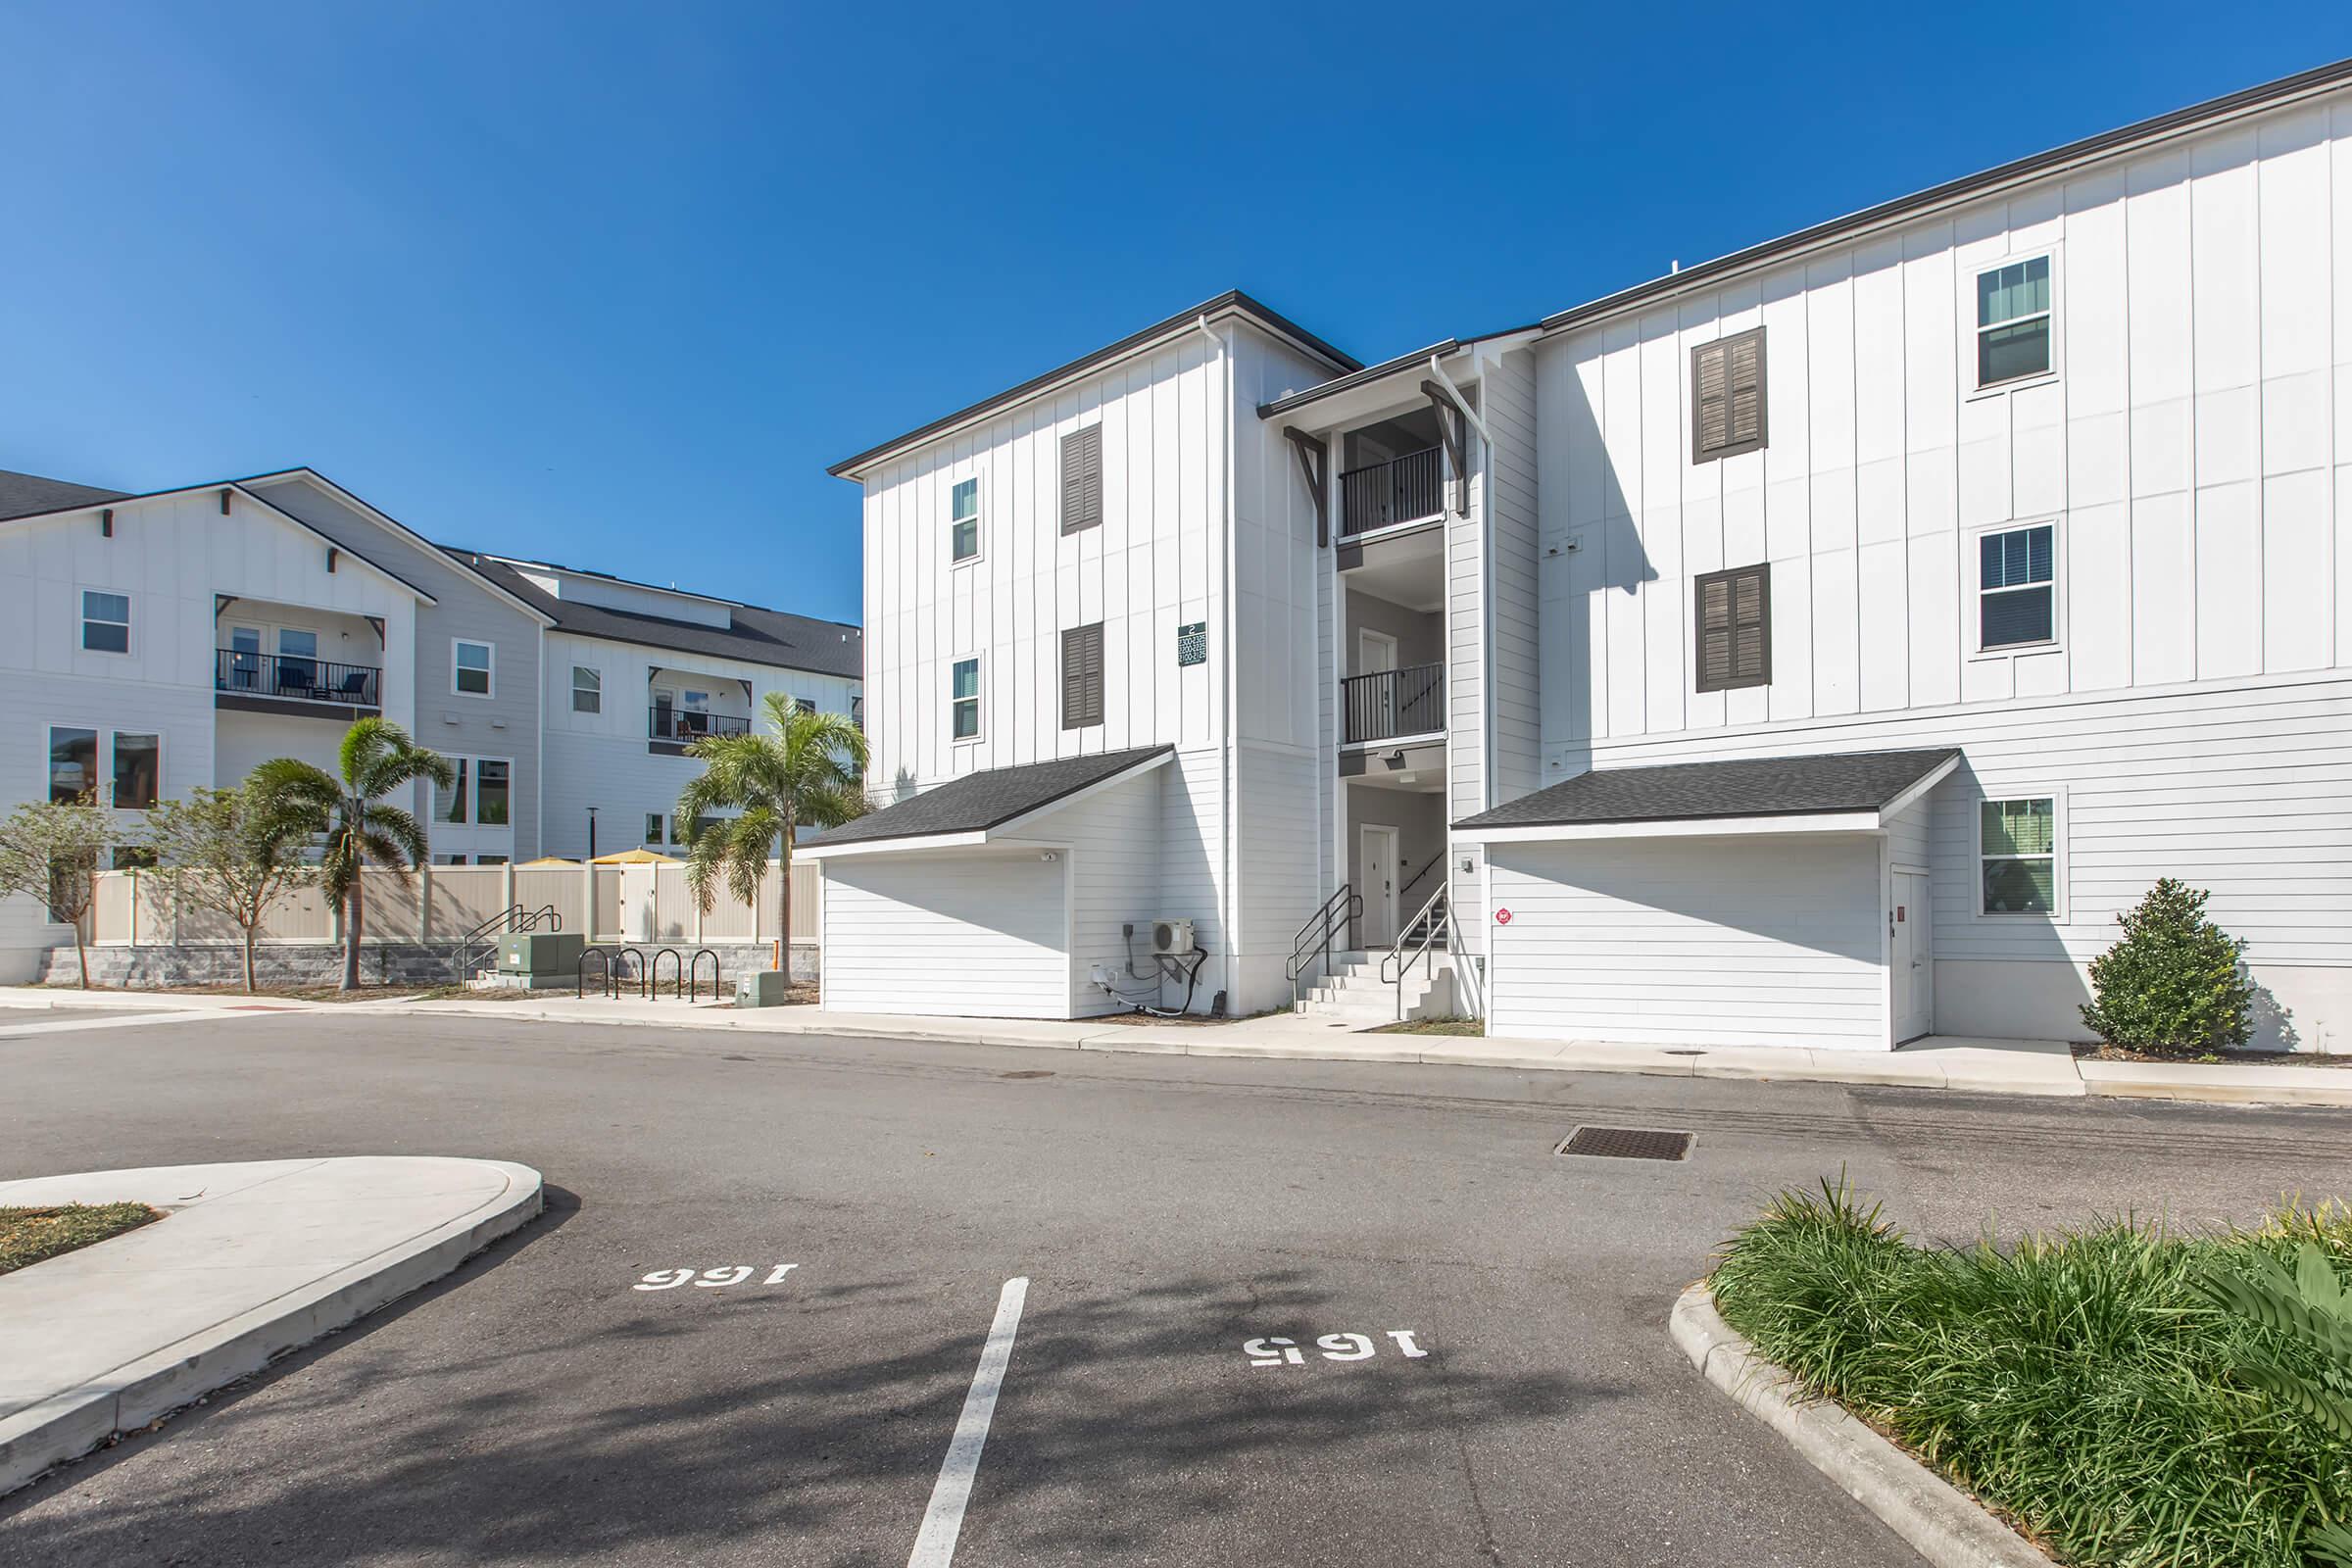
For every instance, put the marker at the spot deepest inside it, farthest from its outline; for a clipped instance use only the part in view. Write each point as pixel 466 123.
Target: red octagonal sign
pixel 1502 917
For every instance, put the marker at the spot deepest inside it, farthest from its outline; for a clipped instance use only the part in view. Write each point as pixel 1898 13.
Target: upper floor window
pixel 963 699
pixel 2017 853
pixel 72 764
pixel 106 622
pixel 2012 322
pixel 587 689
pixel 2017 587
pixel 803 704
pixel 1082 676
pixel 653 827
pixel 473 667
pixel 1733 614
pixel 1727 396
pixel 1082 480
pixel 493 792
pixel 963 521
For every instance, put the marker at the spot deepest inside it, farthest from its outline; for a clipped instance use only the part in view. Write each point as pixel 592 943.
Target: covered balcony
pixel 684 706
pixel 296 660
pixel 1394 475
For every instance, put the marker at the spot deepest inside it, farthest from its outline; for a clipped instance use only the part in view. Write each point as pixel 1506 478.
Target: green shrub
pixel 2174 985
pixel 2084 1385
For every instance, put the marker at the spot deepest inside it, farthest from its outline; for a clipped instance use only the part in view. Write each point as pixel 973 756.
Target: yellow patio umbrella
pixel 636 858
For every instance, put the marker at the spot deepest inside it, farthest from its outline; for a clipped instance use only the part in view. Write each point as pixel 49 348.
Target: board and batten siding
pixel 969 932
pixel 1721 942
pixel 2192 449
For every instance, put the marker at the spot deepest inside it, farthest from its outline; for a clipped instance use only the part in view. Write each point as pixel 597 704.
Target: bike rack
pixel 699 955
pixel 677 973
pixel 604 962
pixel 639 954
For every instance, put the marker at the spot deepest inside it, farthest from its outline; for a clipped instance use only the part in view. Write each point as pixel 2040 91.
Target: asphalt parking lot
pixel 1273 1312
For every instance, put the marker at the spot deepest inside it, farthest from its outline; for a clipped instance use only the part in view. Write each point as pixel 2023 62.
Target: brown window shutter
pixel 1082 676
pixel 1082 480
pixel 1732 618
pixel 1727 391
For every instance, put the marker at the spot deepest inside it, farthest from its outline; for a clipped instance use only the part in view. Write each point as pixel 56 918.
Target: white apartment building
pixel 1817 646
pixel 153 643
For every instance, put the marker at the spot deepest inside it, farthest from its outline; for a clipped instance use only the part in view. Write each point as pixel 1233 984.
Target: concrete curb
pixel 36 1439
pixel 1937 1520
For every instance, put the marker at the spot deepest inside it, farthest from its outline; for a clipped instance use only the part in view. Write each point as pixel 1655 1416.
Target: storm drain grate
pixel 1626 1143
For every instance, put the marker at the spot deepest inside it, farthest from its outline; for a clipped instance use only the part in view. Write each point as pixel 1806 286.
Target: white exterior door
pixel 982 934
pixel 1914 958
pixel 1377 859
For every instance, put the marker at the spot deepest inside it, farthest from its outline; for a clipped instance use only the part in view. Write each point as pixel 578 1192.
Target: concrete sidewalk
pixel 249 1261
pixel 2045 1067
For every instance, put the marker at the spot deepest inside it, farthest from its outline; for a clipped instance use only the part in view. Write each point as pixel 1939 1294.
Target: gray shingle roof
pixel 28 495
pixel 756 636
pixel 979 800
pixel 1747 786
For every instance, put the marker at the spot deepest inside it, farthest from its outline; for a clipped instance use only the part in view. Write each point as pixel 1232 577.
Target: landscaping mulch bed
pixel 2082 1385
pixel 29 1235
pixel 2086 1050
pixel 1467 1027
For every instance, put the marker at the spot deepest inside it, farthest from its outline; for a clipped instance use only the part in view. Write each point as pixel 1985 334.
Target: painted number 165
pixel 1279 1351
pixel 669 1279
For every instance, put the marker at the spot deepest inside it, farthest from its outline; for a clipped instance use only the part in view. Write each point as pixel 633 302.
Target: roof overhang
pixel 1871 820
pixel 400 530
pixel 1232 305
pixel 1363 394
pixel 1007 831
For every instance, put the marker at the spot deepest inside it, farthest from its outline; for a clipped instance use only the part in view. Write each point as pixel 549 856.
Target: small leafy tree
pixel 807 770
pixel 359 829
pixel 51 851
pixel 2174 985
pixel 232 852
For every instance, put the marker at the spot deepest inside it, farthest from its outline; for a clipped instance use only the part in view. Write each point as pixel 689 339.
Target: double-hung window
pixel 2012 322
pixel 105 622
pixel 587 689
pixel 963 699
pixel 2017 587
pixel 473 668
pixel 2017 851
pixel 963 521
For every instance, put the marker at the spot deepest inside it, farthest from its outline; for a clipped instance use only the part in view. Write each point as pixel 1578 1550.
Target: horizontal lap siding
pixel 945 934
pixel 1700 942
pixel 1112 839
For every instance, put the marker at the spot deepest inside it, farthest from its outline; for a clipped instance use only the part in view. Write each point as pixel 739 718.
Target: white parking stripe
pixel 943 1521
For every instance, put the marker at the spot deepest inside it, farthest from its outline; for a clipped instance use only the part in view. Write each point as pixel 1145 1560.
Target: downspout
pixel 1229 829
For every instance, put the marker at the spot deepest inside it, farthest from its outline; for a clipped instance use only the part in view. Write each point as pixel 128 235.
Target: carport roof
pixel 1840 789
pixel 964 810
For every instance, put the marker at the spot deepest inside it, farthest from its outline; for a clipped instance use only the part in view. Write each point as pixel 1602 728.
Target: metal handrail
pixel 513 918
pixel 1339 910
pixel 1433 917
pixel 1389 703
pixel 1406 488
pixel 1427 866
pixel 686 724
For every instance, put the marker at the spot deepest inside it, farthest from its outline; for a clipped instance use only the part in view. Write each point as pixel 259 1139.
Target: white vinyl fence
pixel 443 902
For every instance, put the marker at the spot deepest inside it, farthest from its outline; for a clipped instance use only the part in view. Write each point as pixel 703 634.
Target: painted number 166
pixel 1279 1351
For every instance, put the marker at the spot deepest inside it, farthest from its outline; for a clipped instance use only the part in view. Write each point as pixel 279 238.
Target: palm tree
pixel 809 771
pixel 350 814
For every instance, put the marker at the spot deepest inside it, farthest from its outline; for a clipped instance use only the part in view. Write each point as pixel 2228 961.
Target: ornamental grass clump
pixel 2173 985
pixel 2092 1387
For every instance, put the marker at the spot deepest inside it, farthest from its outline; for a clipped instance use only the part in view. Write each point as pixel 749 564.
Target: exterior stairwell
pixel 1351 991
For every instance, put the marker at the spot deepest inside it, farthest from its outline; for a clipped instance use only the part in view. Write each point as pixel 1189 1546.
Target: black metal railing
pixel 683 724
pixel 248 674
pixel 1390 703
pixel 1403 489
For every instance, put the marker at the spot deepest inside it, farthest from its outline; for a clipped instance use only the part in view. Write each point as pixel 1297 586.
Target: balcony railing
pixel 683 726
pixel 1390 703
pixel 1403 489
pixel 242 673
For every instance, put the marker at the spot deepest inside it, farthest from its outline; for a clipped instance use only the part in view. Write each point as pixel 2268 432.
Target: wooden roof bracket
pixel 1315 464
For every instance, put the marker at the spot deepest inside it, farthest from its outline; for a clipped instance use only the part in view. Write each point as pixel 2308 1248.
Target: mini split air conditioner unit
pixel 1171 938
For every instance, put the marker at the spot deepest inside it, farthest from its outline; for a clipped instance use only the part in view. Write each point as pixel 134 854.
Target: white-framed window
pixel 2015 322
pixel 587 689
pixel 2021 854
pixel 104 621
pixel 473 668
pixel 963 699
pixel 963 521
pixel 454 801
pixel 138 771
pixel 73 764
pixel 2017 587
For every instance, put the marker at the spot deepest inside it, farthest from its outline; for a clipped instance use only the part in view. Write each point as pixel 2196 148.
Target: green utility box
pixel 553 954
pixel 762 988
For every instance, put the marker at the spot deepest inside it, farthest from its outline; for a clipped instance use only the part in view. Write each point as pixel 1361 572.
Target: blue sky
pixel 612 285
